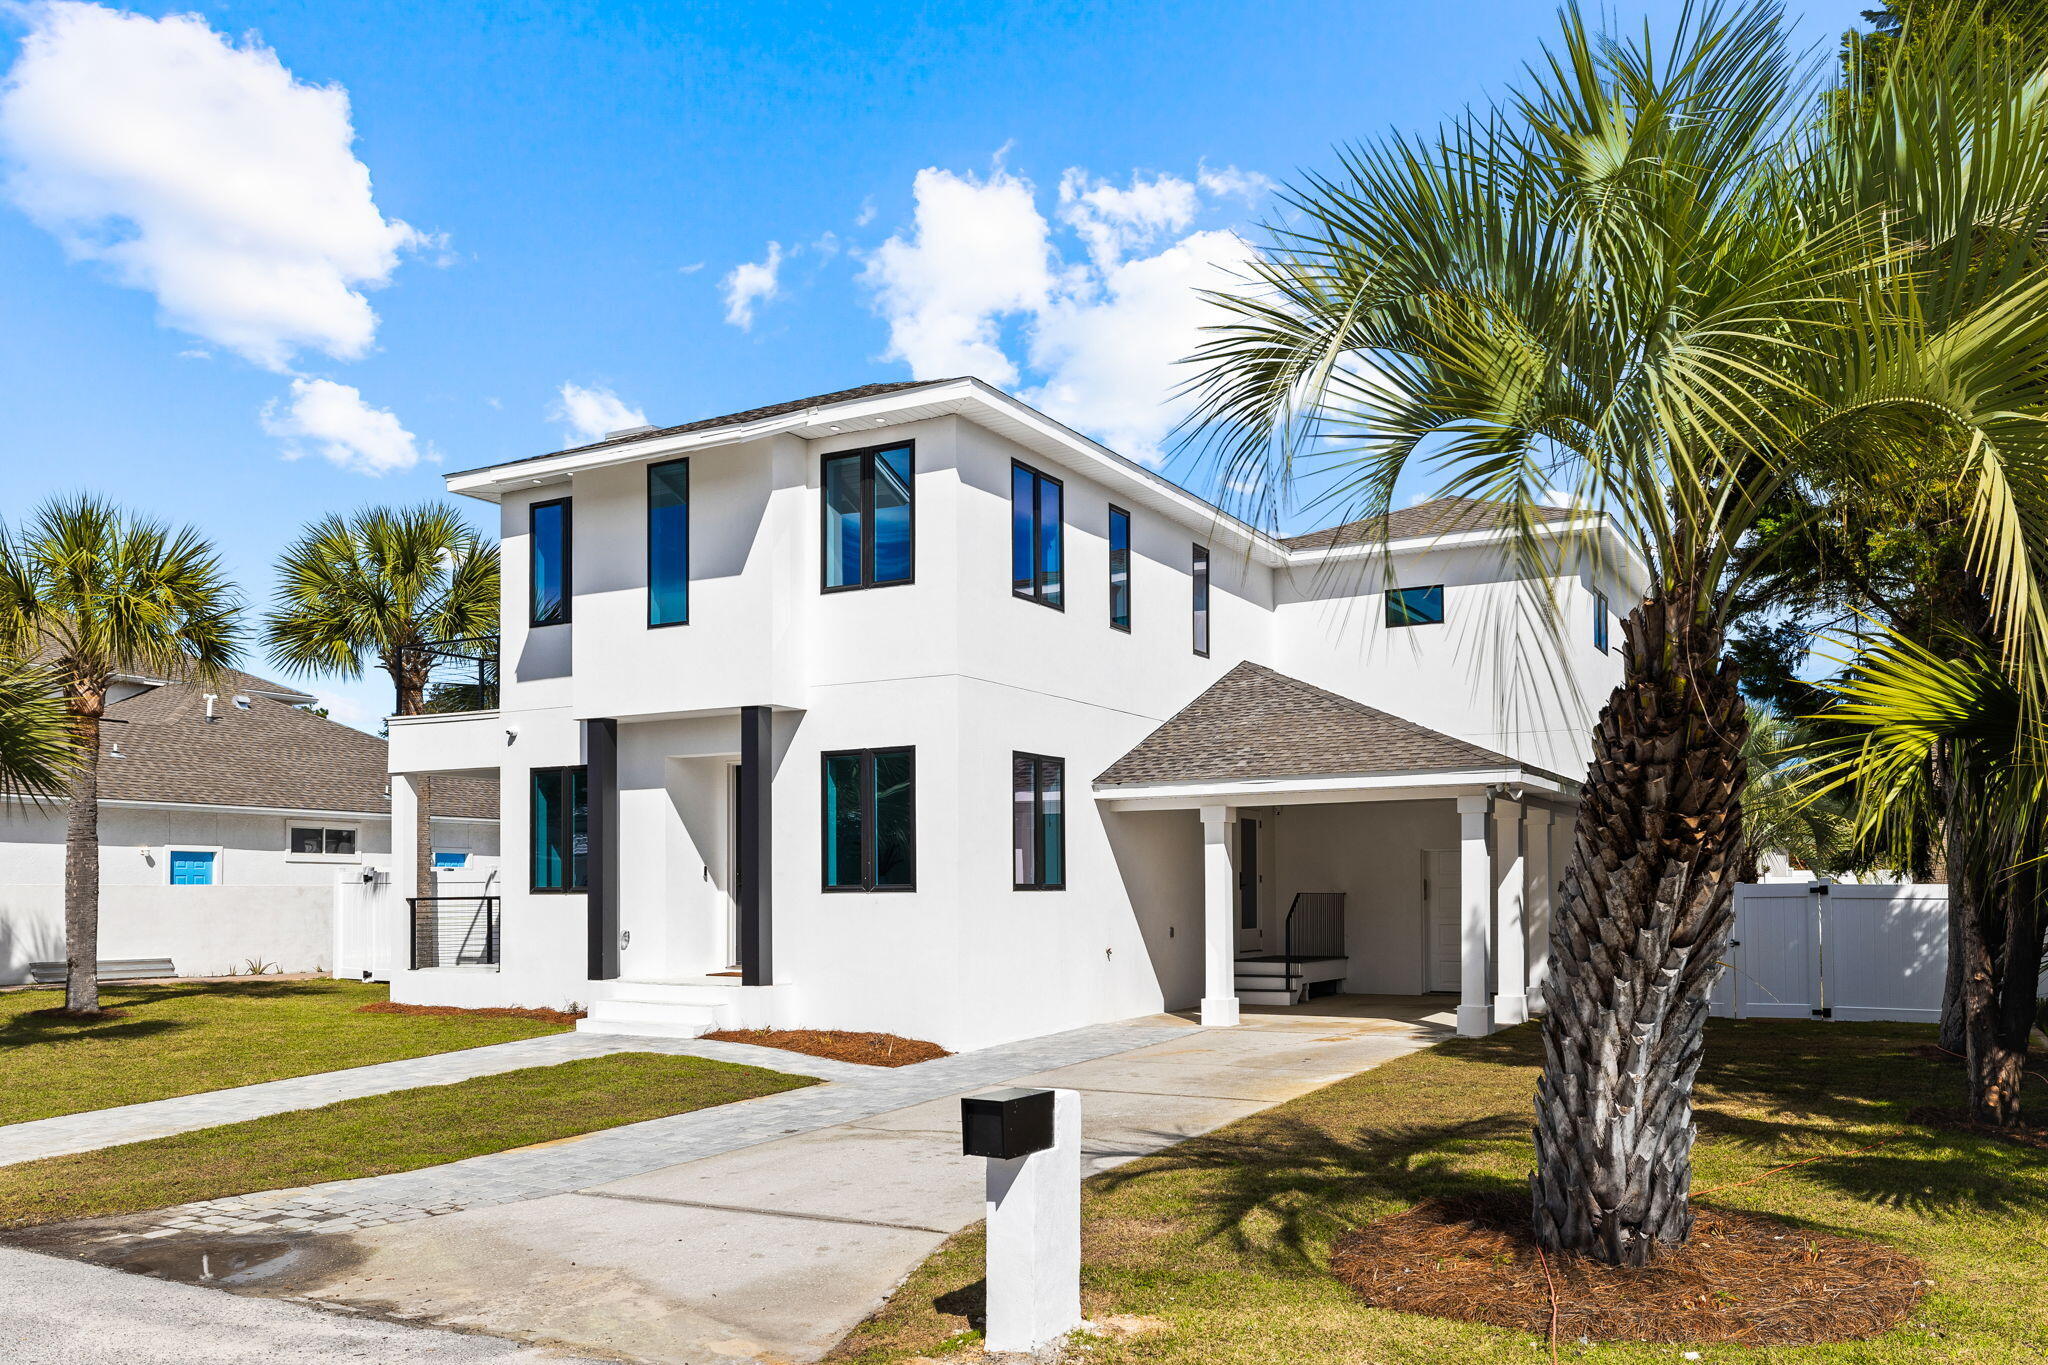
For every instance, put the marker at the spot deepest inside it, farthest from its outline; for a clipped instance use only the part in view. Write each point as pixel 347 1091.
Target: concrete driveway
pixel 774 1251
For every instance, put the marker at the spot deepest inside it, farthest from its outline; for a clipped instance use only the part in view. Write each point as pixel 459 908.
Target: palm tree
pixel 36 757
pixel 90 592
pixel 1779 812
pixel 1646 278
pixel 371 590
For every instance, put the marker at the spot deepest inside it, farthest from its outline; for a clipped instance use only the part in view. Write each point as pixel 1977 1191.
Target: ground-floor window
pixel 444 860
pixel 870 820
pixel 324 840
pixel 1038 822
pixel 561 828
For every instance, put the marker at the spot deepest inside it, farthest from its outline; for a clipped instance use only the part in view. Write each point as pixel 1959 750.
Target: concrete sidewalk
pixel 773 1250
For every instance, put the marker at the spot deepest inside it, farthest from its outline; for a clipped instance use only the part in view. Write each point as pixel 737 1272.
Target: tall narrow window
pixel 668 543
pixel 1037 538
pixel 1201 576
pixel 561 829
pixel 870 818
pixel 1600 621
pixel 1038 822
pixel 1416 606
pixel 869 533
pixel 1119 568
pixel 549 550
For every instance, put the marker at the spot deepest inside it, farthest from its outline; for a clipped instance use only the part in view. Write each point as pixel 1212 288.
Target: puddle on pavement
pixel 268 1264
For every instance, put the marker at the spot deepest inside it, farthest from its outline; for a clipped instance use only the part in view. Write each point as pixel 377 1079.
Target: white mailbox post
pixel 1032 1139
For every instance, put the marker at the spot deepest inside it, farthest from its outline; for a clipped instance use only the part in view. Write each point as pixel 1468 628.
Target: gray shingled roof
pixel 730 419
pixel 272 755
pixel 1254 723
pixel 1437 517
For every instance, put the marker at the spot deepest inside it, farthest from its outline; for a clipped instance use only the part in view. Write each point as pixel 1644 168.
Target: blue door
pixel 191 867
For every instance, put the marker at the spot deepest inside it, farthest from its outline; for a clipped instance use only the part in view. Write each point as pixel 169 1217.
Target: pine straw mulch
pixel 494 1012
pixel 868 1049
pixel 1741 1278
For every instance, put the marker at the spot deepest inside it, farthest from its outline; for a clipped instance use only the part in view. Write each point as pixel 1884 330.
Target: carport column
pixel 1219 917
pixel 405 869
pixel 1511 966
pixel 1542 890
pixel 1475 915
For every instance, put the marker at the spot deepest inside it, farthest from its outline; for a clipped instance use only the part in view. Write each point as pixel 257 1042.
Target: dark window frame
pixel 1038 574
pixel 1402 593
pixel 1198 578
pixel 865 580
pixel 1130 593
pixel 866 782
pixel 569 886
pixel 1601 640
pixel 567 504
pixel 688 503
pixel 292 830
pixel 1038 762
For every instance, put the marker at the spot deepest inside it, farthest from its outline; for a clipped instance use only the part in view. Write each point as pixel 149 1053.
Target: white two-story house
pixel 907 708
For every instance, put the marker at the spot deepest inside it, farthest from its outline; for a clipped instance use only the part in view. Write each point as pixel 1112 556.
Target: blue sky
pixel 270 260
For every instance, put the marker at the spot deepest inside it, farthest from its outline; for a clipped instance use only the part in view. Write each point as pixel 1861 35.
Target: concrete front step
pixel 1251 995
pixel 649 1019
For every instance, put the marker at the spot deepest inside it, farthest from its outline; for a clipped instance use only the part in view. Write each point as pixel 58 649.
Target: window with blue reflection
pixel 1416 606
pixel 870 820
pixel 1037 537
pixel 1600 621
pixel 559 821
pixel 869 531
pixel 1038 824
pixel 1119 568
pixel 1200 574
pixel 549 551
pixel 668 543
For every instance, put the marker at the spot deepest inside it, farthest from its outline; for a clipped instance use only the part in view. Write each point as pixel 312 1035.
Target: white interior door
pixel 1440 887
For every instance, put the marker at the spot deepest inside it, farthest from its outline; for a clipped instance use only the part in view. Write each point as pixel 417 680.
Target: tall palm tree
pixel 368 591
pixel 90 592
pixel 1643 278
pixel 36 757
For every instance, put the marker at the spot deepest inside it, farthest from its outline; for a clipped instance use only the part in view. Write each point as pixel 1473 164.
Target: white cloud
pixel 202 171
pixel 751 283
pixel 332 421
pixel 590 413
pixel 1232 183
pixel 1095 341
pixel 690 269
pixel 978 250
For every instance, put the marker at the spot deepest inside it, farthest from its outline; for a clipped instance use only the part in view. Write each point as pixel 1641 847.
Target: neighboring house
pixel 908 708
pixel 228 816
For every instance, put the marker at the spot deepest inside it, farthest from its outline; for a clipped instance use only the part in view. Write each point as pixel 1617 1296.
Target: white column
pixel 1475 916
pixel 1542 891
pixel 1511 963
pixel 1219 916
pixel 405 868
pixel 1034 1239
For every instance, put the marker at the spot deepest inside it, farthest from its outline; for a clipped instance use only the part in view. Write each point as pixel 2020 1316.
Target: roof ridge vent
pixel 643 429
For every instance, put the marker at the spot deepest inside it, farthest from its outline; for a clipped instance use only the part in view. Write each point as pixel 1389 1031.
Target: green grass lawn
pixel 178 1038
pixel 1225 1239
pixel 401 1131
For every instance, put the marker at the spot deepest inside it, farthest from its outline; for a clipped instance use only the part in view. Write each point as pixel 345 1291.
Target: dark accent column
pixel 600 865
pixel 756 819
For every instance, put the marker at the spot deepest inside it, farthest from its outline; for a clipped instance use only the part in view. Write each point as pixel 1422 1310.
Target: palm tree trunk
pixel 423 837
pixel 1637 942
pixel 82 874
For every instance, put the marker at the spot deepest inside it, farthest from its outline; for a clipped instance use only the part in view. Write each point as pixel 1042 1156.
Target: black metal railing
pixel 1315 926
pixel 461 675
pixel 454 931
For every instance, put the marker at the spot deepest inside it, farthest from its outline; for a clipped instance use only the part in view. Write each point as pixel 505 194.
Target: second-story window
pixel 868 529
pixel 668 543
pixel 1201 579
pixel 1600 621
pixel 1119 568
pixel 548 543
pixel 1416 606
pixel 1037 540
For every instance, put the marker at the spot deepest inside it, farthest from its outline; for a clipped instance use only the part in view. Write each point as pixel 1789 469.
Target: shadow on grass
pixel 43 1024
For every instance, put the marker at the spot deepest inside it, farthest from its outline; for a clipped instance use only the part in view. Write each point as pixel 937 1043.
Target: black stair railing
pixel 454 931
pixel 1315 929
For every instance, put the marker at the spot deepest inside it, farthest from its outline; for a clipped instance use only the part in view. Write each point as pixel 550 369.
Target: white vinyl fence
pixel 1832 951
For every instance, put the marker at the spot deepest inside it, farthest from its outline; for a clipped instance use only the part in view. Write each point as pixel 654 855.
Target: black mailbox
pixel 1006 1123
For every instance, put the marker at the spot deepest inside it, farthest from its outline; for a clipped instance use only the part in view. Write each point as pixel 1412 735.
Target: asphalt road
pixel 59 1312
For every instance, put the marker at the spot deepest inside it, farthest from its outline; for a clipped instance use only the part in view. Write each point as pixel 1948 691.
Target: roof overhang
pixel 1530 783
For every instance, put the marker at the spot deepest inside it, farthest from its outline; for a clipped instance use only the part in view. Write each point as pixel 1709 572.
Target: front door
pixel 1249 933
pixel 1440 884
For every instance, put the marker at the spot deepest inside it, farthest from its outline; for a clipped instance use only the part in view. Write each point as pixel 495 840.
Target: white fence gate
pixel 366 927
pixel 1833 951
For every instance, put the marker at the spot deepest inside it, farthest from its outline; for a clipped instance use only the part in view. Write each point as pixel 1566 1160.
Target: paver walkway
pixel 183 1113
